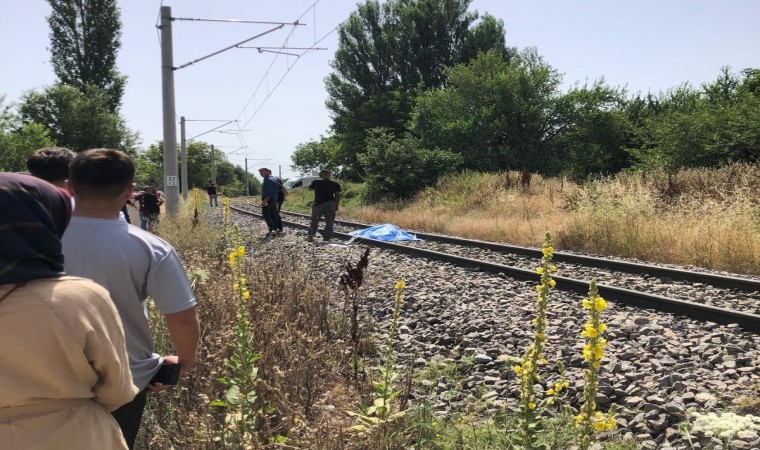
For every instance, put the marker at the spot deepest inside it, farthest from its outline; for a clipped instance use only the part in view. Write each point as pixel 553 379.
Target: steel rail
pixel 723 316
pixel 720 281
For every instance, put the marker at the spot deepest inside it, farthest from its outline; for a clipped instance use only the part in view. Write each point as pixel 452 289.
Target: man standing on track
pixel 326 202
pixel 270 188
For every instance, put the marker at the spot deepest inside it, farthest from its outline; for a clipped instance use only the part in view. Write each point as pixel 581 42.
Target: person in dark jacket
pixel 269 191
pixel 326 203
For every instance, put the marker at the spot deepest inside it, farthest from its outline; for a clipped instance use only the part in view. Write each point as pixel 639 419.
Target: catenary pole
pixel 171 186
pixel 247 188
pixel 213 165
pixel 183 158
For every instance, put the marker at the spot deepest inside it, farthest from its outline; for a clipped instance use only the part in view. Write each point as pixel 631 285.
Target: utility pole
pixel 213 165
pixel 171 187
pixel 183 158
pixel 247 189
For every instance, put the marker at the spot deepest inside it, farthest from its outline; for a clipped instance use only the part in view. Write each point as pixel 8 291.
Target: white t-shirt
pixel 132 265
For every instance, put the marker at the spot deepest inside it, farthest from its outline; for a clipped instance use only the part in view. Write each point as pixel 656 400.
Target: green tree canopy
pixel 17 145
pixel 310 157
pixel 85 36
pixel 77 119
pixel 388 52
pixel 150 169
pixel 399 167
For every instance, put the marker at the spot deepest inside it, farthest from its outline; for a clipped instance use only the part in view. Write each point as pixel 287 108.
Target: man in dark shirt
pixel 326 202
pixel 212 195
pixel 269 190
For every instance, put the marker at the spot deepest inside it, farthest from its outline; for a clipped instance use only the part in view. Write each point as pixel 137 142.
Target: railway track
pixel 700 295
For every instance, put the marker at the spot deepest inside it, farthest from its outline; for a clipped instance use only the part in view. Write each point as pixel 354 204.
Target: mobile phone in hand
pixel 168 374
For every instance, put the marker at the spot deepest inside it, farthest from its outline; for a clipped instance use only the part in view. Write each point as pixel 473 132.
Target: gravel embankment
pixel 658 366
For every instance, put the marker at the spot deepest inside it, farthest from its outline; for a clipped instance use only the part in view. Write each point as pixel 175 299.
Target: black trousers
pixel 129 417
pixel 270 215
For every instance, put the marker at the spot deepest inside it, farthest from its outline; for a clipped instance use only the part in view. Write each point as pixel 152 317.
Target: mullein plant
pixel 380 414
pixel 227 230
pixel 351 282
pixel 240 421
pixel 196 206
pixel 529 424
pixel 590 421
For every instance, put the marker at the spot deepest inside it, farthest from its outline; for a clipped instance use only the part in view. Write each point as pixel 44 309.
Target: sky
pixel 278 100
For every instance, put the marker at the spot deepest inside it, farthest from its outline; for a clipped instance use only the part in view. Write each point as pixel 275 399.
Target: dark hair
pixel 50 164
pixel 101 173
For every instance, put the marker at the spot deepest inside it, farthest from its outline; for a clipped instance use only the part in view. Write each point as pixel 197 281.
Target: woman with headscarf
pixel 63 361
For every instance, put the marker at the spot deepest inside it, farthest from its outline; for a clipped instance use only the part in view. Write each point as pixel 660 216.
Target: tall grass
pixel 301 355
pixel 704 217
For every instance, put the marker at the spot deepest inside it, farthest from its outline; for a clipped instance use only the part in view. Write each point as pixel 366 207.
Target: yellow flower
pixel 552 268
pixel 400 284
pixel 580 417
pixel 540 270
pixel 531 405
pixel 550 392
pixel 246 295
pixel 547 251
pixel 599 304
pixel 552 283
pixel 243 281
pixel 598 426
pixel 517 369
pixel 601 327
pixel 241 251
pixel 586 303
pixel 235 287
pixel 540 287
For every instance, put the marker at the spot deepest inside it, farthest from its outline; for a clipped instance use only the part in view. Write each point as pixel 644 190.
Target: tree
pixel 150 169
pixel 7 118
pixel 707 127
pixel 497 115
pixel 399 167
pixel 388 53
pixel 77 119
pixel 85 36
pixel 17 145
pixel 310 157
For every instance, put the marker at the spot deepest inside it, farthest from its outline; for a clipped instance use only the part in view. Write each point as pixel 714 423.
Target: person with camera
pixel 132 265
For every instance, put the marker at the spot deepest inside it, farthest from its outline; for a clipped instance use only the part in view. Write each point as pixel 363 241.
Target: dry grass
pixel 706 218
pixel 301 389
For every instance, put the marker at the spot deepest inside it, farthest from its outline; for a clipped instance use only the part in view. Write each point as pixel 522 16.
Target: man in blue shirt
pixel 269 191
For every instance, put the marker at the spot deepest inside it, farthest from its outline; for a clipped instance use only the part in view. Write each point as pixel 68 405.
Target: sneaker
pixel 309 238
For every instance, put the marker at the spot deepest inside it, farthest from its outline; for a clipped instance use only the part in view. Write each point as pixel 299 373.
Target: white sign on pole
pixel 171 180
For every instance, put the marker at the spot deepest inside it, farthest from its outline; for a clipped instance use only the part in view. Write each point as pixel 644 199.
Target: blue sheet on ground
pixel 385 232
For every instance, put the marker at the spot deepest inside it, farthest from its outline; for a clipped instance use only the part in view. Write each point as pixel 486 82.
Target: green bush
pixel 399 168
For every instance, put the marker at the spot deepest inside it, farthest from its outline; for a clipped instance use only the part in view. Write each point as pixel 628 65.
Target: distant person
pixel 51 164
pixel 132 265
pixel 211 191
pixel 326 203
pixel 281 195
pixel 150 208
pixel 269 191
pixel 63 362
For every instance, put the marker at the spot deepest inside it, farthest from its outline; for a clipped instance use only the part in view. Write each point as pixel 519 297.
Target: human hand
pixel 169 359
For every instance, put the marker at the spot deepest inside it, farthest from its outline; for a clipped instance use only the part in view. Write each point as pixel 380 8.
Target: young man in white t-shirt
pixel 132 265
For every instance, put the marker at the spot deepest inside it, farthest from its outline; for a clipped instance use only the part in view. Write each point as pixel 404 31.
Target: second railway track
pixel 700 295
